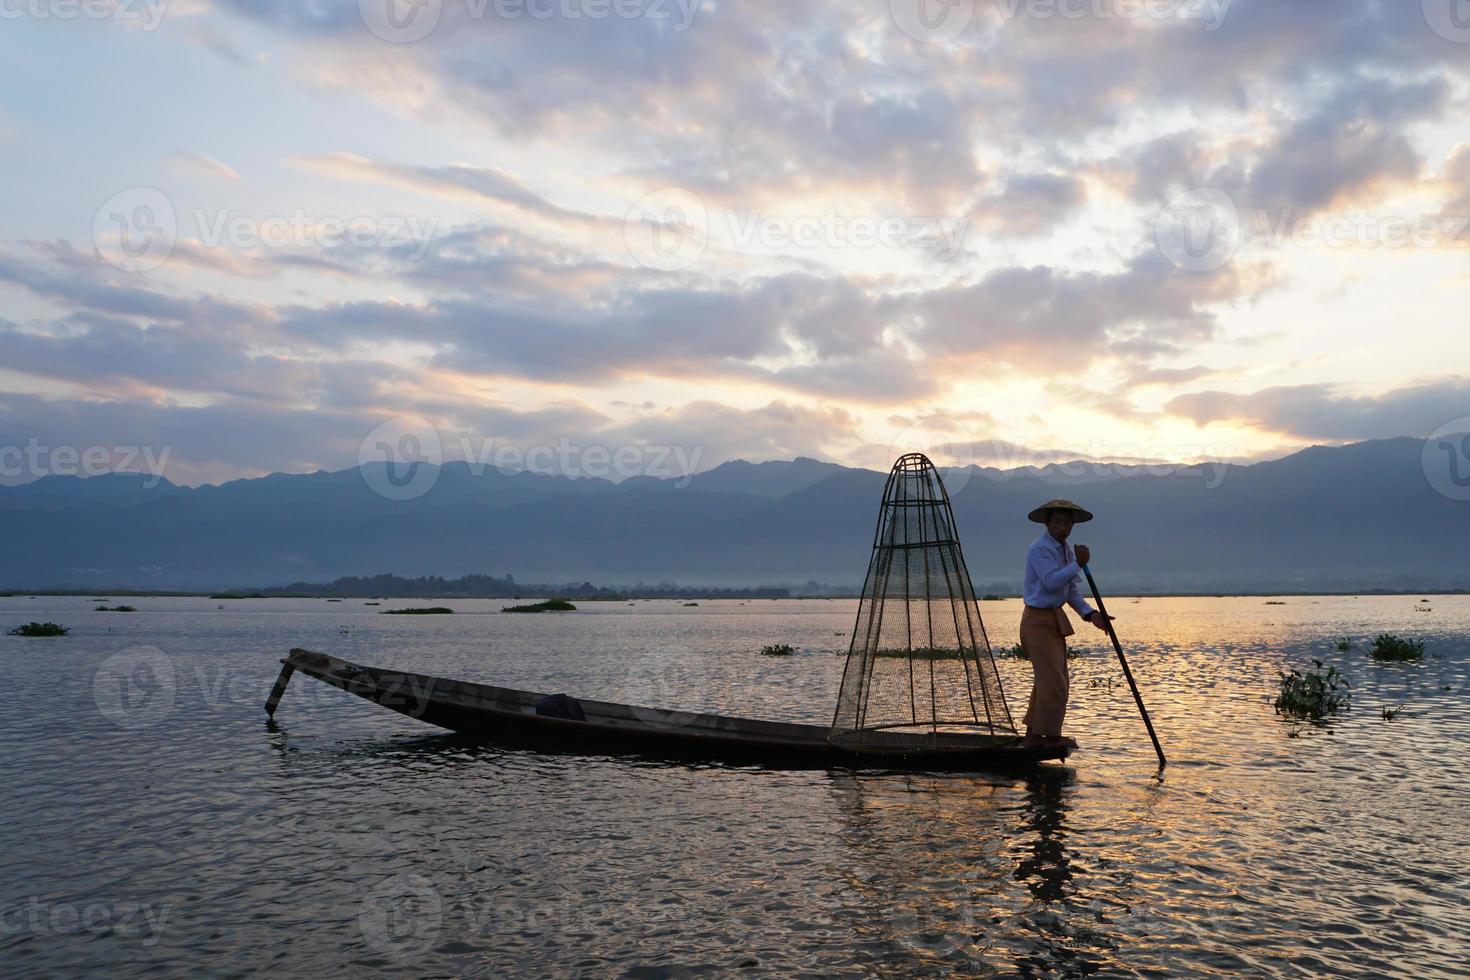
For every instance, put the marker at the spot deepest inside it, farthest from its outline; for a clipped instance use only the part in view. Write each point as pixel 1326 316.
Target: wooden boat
pixel 512 717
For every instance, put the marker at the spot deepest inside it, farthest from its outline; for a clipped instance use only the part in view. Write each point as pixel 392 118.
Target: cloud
pixel 1143 376
pixel 198 165
pixel 502 306
pixel 1031 204
pixel 1320 411
pixel 455 180
pixel 224 441
pixel 1055 322
pixel 1059 136
pixel 1457 183
pixel 1350 147
pixel 82 282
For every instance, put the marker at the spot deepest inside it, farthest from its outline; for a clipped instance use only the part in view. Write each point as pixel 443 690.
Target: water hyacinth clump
pixel 1396 649
pixel 777 650
pixel 549 605
pixel 1018 652
pixel 1313 695
pixel 39 629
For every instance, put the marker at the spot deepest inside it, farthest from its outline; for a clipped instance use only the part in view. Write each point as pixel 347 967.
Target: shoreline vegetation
pixel 490 587
pixel 550 605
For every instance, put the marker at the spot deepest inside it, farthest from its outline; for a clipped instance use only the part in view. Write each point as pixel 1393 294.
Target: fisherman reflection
pixel 1048 870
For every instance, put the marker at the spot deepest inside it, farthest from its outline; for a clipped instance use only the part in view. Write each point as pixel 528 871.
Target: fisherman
pixel 1051 580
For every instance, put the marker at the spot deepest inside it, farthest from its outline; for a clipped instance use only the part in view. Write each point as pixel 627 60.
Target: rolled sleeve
pixel 1061 578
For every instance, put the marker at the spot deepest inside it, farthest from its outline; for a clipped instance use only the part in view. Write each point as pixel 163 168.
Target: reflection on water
pixel 186 835
pixel 1047 869
pixel 966 873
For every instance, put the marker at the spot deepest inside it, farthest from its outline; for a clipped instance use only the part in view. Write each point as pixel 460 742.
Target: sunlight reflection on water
pixel 193 839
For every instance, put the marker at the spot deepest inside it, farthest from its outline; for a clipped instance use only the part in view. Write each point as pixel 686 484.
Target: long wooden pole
pixel 279 689
pixel 1138 698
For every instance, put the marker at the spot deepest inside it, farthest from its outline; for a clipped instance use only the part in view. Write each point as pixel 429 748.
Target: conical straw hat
pixel 1079 516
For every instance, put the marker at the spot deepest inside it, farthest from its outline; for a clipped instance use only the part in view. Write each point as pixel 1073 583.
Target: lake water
pixel 160 827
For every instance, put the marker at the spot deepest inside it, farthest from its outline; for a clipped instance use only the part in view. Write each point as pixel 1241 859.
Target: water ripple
pixel 191 838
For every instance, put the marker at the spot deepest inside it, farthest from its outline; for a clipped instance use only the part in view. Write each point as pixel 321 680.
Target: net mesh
pixel 919 662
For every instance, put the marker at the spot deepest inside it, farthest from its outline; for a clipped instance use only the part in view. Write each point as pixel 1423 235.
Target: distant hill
pixel 1342 518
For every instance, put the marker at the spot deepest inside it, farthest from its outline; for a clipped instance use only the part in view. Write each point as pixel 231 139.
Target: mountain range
pixel 1343 518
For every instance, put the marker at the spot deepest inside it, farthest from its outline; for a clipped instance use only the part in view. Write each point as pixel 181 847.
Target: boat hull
pixel 508 716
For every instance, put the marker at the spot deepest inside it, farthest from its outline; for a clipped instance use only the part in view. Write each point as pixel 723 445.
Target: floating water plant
pixel 550 605
pixel 919 653
pixel 1018 652
pixel 777 650
pixel 1343 643
pixel 1389 714
pixel 1396 649
pixel 39 629
pixel 423 611
pixel 1313 695
pixel 116 609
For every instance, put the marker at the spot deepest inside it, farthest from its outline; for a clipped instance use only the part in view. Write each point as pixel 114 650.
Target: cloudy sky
pixel 250 232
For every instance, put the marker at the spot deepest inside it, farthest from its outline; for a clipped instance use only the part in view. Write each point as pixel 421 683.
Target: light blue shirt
pixel 1051 576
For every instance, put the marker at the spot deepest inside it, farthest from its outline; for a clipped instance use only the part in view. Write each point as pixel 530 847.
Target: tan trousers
pixel 1043 635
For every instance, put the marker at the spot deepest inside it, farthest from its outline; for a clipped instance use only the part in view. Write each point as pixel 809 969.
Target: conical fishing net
pixel 919 662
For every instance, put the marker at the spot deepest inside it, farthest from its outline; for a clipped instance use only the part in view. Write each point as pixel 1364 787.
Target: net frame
pixel 934 679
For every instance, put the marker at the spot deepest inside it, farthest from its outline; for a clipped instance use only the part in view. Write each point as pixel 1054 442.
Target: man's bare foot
pixel 1052 741
pixel 1033 741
